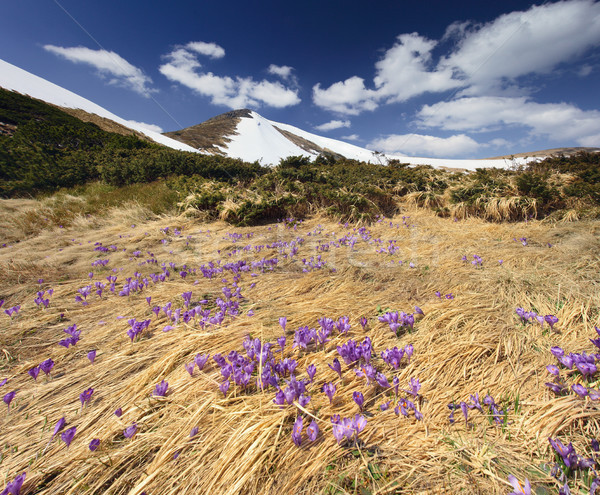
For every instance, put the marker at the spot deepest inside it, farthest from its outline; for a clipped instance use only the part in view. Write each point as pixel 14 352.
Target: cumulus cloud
pixel 484 59
pixel 333 124
pixel 150 127
pixel 109 64
pixel 351 137
pixel 211 50
pixel 518 44
pixel 283 71
pixel 419 144
pixel 560 121
pixel 183 67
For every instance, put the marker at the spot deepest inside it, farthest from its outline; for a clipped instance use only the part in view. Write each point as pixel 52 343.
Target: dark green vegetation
pixel 43 150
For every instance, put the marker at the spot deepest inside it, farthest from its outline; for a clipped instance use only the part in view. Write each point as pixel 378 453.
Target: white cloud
pixel 419 144
pixel 150 127
pixel 283 71
pixel 211 50
pixel 521 43
pixel 109 64
pixel 333 124
pixel 351 137
pixel 559 121
pixel 182 66
pixel 349 97
pixel 486 59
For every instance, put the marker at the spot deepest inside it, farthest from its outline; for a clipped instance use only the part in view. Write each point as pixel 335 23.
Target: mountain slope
pixel 249 136
pixel 21 81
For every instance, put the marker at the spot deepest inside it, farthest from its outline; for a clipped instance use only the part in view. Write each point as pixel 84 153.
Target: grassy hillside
pixel 201 437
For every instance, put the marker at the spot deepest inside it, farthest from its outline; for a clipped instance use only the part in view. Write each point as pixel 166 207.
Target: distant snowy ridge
pixel 21 81
pixel 257 138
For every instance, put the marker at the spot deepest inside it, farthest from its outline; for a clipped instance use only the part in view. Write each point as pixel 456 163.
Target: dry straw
pixel 472 343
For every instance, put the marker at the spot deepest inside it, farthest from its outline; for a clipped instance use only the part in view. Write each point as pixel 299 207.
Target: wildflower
pixel 337 367
pixel 224 387
pixel 194 432
pixel 364 322
pixel 465 411
pixel 85 396
pixel 419 311
pixel 160 390
pixel 46 366
pixel 14 486
pixel 94 444
pixel 281 341
pixel 91 356
pixel 189 367
pixel 3 382
pixel 382 381
pixel 130 431
pixel 67 435
pixel 359 399
pixel 566 452
pixel 551 320
pixel 201 359
pixel 60 424
pixel 283 322
pixel 553 370
pixel 8 398
pixel 34 372
pixel 119 412
pixel 385 406
pixel 303 400
pixel 311 370
pixel 586 369
pixel 329 390
pixel 297 431
pixel 519 489
pixel 580 390
pixel 312 431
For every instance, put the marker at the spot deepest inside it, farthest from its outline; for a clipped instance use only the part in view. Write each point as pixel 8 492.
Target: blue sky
pixel 466 79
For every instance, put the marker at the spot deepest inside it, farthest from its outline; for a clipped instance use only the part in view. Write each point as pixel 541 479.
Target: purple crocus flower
pixel 311 370
pixel 91 356
pixel 551 320
pixel 189 367
pixel 85 396
pixel 8 398
pixel 329 390
pixel 337 367
pixel 419 311
pixel 297 431
pixel 303 400
pixel 364 322
pixel 34 372
pixel 465 411
pixel 283 322
pixel 60 424
pixel 557 388
pixel 553 370
pixel 224 387
pixel 94 444
pixel 46 366
pixel 566 452
pixel 586 369
pixel 558 352
pixel 160 390
pixel 3 382
pixel 67 435
pixel 312 431
pixel 119 412
pixel 14 486
pixel 519 488
pixel 579 389
pixel 194 431
pixel 359 399
pixel 382 380
pixel 201 360
pixel 281 341
pixel 130 431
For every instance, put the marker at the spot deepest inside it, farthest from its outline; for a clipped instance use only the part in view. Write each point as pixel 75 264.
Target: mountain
pixel 21 81
pixel 249 136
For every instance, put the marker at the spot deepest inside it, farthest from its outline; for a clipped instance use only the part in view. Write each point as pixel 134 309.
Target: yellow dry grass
pixel 472 343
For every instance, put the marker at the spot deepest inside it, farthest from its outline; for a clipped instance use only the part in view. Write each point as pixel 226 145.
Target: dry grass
pixel 470 344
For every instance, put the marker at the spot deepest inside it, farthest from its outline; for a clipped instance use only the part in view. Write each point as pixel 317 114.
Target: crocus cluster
pixel 73 338
pixel 394 356
pixel 496 413
pixel 136 328
pixel 347 428
pixel 532 316
pixel 586 364
pixel 398 320
pixel 351 352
